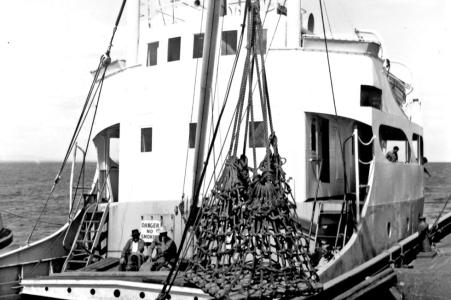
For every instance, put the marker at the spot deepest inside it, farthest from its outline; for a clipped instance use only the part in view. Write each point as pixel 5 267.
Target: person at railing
pixel 393 154
pixel 132 255
pixel 166 251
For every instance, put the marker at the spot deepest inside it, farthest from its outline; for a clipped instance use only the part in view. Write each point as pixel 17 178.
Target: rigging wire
pixel 327 55
pixel 255 86
pixel 345 183
pixel 26 217
pixel 174 270
pixel 212 126
pixel 105 60
pixel 328 20
pixel 192 105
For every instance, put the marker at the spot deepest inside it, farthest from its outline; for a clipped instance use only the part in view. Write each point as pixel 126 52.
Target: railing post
pixel 357 173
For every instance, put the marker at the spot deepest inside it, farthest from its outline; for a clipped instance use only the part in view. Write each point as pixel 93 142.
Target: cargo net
pixel 249 243
pixel 248 240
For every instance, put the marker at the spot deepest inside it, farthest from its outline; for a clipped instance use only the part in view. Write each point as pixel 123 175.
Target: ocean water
pixel 24 190
pixel 25 187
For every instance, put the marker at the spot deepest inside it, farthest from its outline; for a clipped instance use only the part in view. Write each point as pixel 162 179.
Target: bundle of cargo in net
pixel 249 242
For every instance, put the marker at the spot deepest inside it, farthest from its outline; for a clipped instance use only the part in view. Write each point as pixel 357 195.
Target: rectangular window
pixel 370 96
pixel 259 133
pixel 228 42
pixel 263 42
pixel 174 48
pixel 146 139
pixel 152 53
pixel 325 159
pixel 417 142
pixel 198 45
pixel 192 135
pixel 394 143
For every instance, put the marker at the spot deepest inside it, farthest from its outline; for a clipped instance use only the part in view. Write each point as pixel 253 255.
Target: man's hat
pixel 135 232
pixel 422 218
pixel 163 230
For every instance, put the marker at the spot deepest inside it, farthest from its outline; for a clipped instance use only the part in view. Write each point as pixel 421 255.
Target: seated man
pixel 132 254
pixel 166 251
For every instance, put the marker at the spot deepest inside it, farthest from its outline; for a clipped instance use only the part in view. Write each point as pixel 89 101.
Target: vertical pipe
pixel 209 52
pixel 133 9
pixel 357 173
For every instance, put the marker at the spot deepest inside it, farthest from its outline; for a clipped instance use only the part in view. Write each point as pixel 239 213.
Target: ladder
pixel 332 225
pixel 90 234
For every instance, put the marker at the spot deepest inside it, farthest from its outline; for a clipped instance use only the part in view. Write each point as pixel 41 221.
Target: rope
pixel 441 212
pixel 253 218
pixel 192 107
pixel 366 162
pixel 366 143
pixel 174 270
pixel 327 55
pixel 23 217
pixel 104 62
pixel 327 17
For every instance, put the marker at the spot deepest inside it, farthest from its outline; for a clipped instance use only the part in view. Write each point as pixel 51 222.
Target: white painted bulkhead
pixel 161 97
pixel 150 184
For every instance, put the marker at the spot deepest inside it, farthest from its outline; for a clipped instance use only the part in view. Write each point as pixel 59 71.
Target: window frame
pixel 174 48
pixel 229 40
pixel 198 45
pixel 152 60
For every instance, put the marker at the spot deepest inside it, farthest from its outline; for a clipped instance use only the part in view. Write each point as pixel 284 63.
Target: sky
pixel 48 48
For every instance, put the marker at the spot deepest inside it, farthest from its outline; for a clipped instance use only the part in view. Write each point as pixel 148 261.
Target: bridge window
pixel 417 141
pixel 370 96
pixel 228 43
pixel 146 139
pixel 394 144
pixel 198 45
pixel 152 53
pixel 174 49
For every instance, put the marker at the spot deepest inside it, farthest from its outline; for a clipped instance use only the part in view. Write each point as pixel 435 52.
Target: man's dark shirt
pixel 392 156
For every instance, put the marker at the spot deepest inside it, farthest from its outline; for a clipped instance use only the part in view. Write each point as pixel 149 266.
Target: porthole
pixel 142 295
pixel 46 288
pixel 117 293
pixel 92 291
pixel 69 290
pixel 389 229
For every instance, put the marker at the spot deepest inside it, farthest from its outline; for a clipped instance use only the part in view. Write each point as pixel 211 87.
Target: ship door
pixel 107 144
pixel 318 164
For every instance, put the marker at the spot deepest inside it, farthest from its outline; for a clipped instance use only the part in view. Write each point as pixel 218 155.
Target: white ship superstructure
pixel 337 111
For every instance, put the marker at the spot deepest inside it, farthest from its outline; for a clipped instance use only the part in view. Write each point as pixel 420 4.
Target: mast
pixel 209 54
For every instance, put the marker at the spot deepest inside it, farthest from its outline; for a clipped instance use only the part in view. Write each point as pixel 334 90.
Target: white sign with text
pixel 150 229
